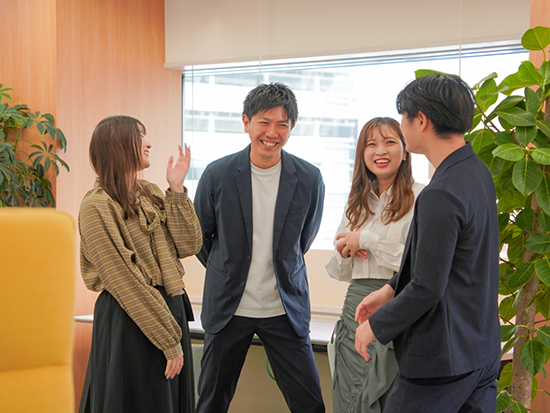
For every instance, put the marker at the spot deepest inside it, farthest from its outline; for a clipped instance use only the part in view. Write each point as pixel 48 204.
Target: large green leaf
pixel 532 356
pixel 526 176
pixel 487 94
pixel 524 272
pixel 542 267
pixel 509 151
pixel 483 138
pixel 544 221
pixel 532 100
pixel 518 117
pixel 507 310
pixel 543 302
pixel 536 38
pixel 545 71
pixel 539 243
pixel 543 194
pixel 503 137
pixel 493 163
pixel 544 126
pixel 503 220
pixel 503 401
pixel 530 74
pixel 517 407
pixel 541 156
pixel 423 72
pixel 541 141
pixel 525 220
pixel 478 84
pixel 509 102
pixel 543 334
pixel 507 331
pixel 511 83
pixel 526 134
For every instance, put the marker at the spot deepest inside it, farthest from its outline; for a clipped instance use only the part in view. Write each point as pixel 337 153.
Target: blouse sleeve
pixel 107 263
pixel 338 267
pixel 387 252
pixel 182 223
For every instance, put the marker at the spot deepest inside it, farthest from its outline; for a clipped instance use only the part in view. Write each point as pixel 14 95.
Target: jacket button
pixel 241 285
pixel 248 258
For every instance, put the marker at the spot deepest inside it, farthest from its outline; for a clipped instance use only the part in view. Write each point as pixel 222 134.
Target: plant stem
pixel 522 380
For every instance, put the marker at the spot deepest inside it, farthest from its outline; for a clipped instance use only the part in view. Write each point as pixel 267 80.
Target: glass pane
pixel 334 103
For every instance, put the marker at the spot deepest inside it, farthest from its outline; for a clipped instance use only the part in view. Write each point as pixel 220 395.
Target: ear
pixel 246 122
pixel 424 122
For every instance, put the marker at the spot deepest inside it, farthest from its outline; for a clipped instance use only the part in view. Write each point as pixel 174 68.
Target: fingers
pixel 362 254
pixel 173 367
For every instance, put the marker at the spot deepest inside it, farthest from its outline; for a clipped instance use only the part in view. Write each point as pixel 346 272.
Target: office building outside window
pixel 336 97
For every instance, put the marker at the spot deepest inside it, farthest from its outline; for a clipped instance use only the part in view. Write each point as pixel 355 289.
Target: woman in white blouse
pixel 369 246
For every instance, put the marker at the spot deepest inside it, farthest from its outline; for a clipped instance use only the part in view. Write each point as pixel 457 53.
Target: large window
pixel 336 97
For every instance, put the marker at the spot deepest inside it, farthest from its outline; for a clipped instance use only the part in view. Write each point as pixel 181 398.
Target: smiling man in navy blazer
pixel 259 210
pixel 441 308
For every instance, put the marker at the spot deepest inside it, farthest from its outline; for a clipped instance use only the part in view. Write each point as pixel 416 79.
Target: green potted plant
pixel 511 134
pixel 23 171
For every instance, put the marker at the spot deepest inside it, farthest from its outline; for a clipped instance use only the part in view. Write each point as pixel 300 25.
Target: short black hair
pixel 269 96
pixel 446 100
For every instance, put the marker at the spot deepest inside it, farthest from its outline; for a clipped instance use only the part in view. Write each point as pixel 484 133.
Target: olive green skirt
pixel 359 385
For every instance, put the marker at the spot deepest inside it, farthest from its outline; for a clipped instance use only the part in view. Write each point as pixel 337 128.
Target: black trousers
pixel 473 392
pixel 291 358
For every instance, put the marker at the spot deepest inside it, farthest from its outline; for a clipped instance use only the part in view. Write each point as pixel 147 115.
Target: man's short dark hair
pixel 265 97
pixel 445 99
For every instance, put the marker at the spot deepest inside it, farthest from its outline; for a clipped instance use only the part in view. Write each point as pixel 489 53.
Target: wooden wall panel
pixel 110 61
pixel 28 50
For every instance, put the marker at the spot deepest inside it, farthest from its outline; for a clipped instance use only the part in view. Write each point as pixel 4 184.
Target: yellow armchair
pixel 37 292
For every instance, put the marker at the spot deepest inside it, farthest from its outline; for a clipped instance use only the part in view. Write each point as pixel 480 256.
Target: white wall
pixel 219 31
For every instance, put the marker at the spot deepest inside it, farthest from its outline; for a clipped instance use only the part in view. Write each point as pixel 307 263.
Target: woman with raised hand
pixel 369 246
pixel 132 239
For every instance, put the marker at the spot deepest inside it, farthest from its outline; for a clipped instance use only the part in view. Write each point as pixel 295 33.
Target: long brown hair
pixel 115 155
pixel 402 194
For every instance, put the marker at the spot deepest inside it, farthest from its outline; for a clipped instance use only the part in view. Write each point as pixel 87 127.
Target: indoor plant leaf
pixel 543 194
pixel 526 176
pixel 542 267
pixel 544 126
pixel 526 134
pixel 509 151
pixel 532 356
pixel 530 74
pixel 523 273
pixel 541 156
pixel 518 117
pixel 539 243
pixel 543 333
pixel 536 38
pixel 525 220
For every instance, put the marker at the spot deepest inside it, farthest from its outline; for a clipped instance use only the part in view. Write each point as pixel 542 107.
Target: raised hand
pixel 176 172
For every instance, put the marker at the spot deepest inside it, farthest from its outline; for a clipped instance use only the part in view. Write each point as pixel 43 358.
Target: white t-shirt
pixel 261 298
pixel 384 243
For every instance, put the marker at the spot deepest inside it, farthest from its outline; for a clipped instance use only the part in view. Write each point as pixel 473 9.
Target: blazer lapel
pixel 244 187
pixel 287 186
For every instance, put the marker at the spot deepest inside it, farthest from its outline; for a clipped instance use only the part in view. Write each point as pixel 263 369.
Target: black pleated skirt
pixel 126 371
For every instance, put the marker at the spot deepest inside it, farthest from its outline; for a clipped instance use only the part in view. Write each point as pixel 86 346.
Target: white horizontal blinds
pixel 209 31
pixel 368 59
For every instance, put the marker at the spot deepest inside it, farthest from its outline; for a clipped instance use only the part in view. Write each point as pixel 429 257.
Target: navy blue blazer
pixel 444 318
pixel 223 202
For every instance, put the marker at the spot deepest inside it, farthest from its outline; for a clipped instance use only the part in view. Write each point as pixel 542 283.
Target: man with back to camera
pixel 259 210
pixel 441 308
